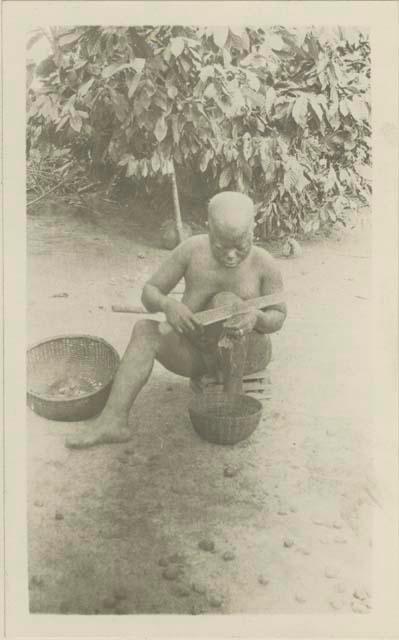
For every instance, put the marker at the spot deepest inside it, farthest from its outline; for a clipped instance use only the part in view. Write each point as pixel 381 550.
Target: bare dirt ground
pixel 297 517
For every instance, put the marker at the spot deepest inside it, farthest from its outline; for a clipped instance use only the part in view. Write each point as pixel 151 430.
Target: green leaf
pixel 80 65
pixel 144 99
pixel 177 46
pixel 220 35
pixel 85 87
pixel 358 108
pixel 124 160
pixel 343 175
pixel 120 105
pixel 112 69
pixel 322 100
pixel 160 100
pixel 293 176
pixel 62 123
pixel 68 38
pixel 256 99
pixel 207 72
pixel 210 91
pixel 185 64
pixel 332 214
pixel 275 42
pixel 338 205
pixel 138 64
pixel 133 84
pixel 238 39
pixel 76 122
pixel 324 214
pixel 225 177
pixel 300 110
pixel 331 179
pixel 316 108
pixel 253 81
pixel 109 71
pixel 270 99
pixel 172 91
pixel 132 166
pixel 155 163
pixel 343 107
pixel 144 167
pixel 204 160
pixel 34 38
pixel 246 171
pixel 226 58
pixel 161 129
pixel 246 146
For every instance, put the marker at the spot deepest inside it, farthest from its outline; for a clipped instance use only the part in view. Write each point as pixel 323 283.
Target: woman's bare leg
pixel 146 345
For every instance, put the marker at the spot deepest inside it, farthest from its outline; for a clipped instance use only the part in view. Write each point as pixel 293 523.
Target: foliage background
pixel 281 114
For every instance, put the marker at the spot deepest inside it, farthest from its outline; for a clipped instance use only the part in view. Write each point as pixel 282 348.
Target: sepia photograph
pixel 200 319
pixel 198 282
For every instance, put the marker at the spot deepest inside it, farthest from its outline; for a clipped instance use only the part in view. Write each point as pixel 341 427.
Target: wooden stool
pixel 254 379
pixel 253 385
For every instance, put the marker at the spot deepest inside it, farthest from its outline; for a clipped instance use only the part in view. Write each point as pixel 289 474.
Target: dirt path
pixel 297 515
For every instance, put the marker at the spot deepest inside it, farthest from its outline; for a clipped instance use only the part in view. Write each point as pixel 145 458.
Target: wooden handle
pixel 211 316
pixel 218 314
pixel 125 308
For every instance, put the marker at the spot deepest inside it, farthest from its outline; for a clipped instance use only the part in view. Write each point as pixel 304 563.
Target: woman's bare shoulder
pixel 264 258
pixel 196 245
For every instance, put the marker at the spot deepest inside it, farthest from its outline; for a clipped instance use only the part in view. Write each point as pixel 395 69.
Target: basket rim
pixel 71 335
pixel 198 401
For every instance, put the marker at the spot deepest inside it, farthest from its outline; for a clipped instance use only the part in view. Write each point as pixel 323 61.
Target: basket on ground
pixel 70 377
pixel 224 421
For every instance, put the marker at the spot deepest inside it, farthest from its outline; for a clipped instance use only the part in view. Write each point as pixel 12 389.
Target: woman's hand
pixel 242 324
pixel 180 317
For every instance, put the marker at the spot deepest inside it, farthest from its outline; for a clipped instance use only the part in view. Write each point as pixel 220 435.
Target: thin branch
pixel 176 204
pixel 44 195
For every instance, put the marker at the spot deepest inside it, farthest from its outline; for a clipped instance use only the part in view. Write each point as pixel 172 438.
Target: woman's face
pixel 230 249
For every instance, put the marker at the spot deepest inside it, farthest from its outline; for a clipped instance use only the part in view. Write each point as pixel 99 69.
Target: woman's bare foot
pixel 105 430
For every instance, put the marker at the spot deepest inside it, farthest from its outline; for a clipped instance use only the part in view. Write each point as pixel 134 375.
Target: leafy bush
pixel 282 114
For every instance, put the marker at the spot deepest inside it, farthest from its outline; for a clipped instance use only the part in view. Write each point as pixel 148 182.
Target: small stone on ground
pixel 171 573
pixel 176 557
pixel 288 542
pixel 331 572
pixel 230 471
pixel 299 597
pixel 360 594
pixel 181 591
pixel 206 545
pixel 198 587
pixel 216 601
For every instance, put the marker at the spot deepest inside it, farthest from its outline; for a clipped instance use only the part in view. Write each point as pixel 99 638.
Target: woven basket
pixel 72 356
pixel 222 422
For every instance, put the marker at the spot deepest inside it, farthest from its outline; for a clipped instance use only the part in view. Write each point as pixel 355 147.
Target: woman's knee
pixel 146 330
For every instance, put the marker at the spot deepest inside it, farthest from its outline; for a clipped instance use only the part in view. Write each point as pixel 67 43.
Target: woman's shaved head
pixel 231 212
pixel 231 221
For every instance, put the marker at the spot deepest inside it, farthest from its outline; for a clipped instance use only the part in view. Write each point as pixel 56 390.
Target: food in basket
pixel 73 387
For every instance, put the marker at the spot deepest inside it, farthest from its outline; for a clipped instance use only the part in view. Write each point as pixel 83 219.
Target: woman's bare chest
pixel 244 281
